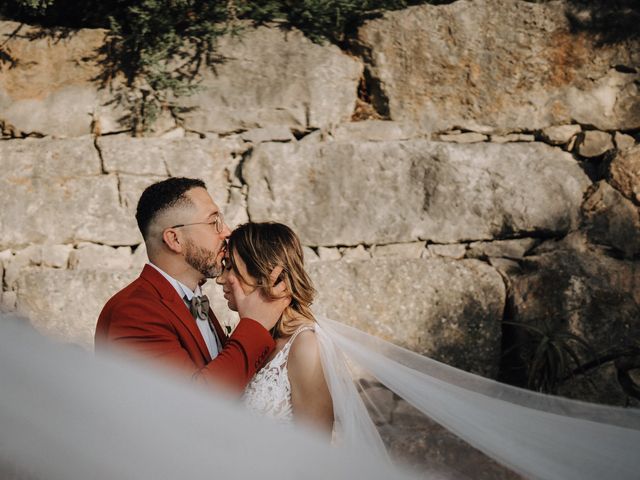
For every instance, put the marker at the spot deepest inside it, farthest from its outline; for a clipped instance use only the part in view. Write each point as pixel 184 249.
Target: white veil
pixel 67 415
pixel 535 435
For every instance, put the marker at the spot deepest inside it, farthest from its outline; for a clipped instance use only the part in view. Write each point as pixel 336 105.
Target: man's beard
pixel 203 260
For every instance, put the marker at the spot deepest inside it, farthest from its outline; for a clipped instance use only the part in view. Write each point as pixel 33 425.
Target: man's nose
pixel 226 231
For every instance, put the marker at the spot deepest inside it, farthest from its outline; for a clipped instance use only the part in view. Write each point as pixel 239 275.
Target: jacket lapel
pixel 170 298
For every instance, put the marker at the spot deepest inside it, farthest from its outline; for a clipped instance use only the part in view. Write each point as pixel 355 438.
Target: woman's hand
pixel 256 306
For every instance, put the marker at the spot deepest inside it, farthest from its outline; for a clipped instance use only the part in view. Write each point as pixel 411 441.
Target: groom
pixel 163 316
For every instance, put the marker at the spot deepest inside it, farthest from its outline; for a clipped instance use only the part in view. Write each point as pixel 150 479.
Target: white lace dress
pixel 269 392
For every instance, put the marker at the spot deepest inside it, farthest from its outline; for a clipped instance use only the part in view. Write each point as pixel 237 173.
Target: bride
pixel 307 380
pixel 292 384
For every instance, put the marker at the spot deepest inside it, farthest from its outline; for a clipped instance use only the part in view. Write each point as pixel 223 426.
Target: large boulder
pixel 65 304
pixel 498 65
pixel 139 162
pixel 593 143
pixel 265 77
pixel 625 173
pixel 45 158
pixel 53 191
pixel 51 86
pixel 576 288
pixel 449 310
pixel 613 220
pixel 347 193
pixel 271 77
pixel 90 256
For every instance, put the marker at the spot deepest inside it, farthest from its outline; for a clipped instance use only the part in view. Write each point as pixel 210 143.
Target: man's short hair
pixel 162 195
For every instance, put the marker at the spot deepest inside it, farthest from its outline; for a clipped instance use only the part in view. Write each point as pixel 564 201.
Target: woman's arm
pixel 310 395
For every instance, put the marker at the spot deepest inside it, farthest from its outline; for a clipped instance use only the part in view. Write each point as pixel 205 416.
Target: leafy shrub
pixel 159 44
pixel 551 354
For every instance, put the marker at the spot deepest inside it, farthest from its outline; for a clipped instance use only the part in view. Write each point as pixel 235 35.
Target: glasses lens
pixel 219 223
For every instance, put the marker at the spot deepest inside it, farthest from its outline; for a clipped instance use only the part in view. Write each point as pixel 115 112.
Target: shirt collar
pixel 180 287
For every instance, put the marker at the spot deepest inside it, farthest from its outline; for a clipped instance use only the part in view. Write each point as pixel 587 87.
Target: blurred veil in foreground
pixel 67 415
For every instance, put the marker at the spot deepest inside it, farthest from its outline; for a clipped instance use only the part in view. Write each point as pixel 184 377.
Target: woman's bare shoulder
pixel 305 352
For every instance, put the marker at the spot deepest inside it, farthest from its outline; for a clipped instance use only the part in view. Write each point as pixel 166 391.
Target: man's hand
pixel 255 306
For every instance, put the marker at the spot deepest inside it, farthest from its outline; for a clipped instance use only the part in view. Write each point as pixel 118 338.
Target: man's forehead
pixel 202 200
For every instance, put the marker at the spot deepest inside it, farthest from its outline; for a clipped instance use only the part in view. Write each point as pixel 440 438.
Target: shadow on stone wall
pixel 610 21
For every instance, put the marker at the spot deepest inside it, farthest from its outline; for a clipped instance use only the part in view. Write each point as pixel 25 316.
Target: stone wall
pixel 494 175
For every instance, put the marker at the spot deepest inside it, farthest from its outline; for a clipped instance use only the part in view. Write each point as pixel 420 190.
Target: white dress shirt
pixel 210 337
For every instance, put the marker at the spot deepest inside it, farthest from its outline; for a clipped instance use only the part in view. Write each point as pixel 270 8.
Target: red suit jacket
pixel 149 318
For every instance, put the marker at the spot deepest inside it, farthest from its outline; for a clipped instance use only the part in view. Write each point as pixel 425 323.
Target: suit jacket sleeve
pixel 142 327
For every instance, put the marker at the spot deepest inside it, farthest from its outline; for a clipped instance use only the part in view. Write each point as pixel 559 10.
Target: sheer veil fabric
pixel 535 435
pixel 67 415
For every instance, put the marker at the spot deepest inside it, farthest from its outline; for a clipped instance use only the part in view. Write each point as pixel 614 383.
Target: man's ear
pixel 173 240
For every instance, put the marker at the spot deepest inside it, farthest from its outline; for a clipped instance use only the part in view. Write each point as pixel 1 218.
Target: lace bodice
pixel 269 392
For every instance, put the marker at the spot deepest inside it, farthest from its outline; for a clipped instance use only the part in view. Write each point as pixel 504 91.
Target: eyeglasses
pixel 218 222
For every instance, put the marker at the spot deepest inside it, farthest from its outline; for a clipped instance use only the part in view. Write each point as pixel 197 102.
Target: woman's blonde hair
pixel 263 247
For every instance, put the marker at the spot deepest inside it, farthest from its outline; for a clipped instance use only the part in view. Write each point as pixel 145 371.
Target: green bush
pixel 159 44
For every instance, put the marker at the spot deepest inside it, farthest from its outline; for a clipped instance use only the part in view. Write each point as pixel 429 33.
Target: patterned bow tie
pixel 199 306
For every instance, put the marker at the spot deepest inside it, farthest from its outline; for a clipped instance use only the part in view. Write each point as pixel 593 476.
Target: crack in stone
pixel 244 186
pixel 300 134
pixel 269 189
pixel 2 280
pixel 114 133
pixel 307 115
pixel 167 171
pixel 370 91
pixel 77 246
pixel 230 133
pixel 103 170
pixel 10 132
pixel 625 69
pixel 244 156
pixel 121 200
pixel 372 103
